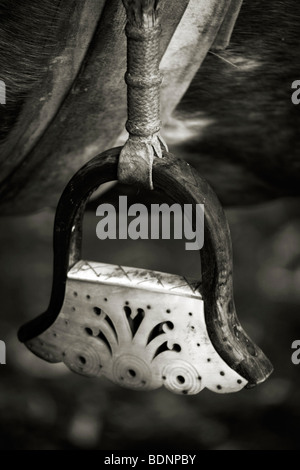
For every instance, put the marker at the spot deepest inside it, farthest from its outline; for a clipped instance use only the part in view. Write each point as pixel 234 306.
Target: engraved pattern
pixel 138 337
pixel 145 279
pixel 179 374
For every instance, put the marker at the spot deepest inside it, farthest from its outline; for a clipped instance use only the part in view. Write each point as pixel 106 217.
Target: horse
pixel 226 104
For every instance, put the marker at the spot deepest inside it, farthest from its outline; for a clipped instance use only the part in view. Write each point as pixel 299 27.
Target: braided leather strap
pixel 143 93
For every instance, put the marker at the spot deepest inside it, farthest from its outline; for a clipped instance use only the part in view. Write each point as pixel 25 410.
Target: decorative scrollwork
pixel 138 337
pixel 132 372
pixel 84 359
pixel 182 377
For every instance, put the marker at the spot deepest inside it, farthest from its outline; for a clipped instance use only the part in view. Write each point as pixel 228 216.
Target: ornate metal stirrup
pixel 143 329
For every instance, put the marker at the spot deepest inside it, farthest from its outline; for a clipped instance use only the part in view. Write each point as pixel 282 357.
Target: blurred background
pixel 44 406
